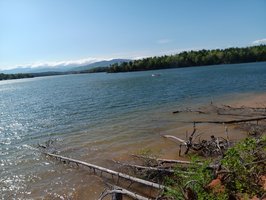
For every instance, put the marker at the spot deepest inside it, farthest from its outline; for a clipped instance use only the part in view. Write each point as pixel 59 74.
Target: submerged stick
pixel 109 171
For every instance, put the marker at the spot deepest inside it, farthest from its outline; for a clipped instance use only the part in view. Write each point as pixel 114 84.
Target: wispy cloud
pixel 163 41
pixel 57 64
pixel 261 41
pixel 85 61
pixel 64 63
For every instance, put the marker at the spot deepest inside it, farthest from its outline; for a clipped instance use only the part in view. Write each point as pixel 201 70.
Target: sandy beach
pixel 168 149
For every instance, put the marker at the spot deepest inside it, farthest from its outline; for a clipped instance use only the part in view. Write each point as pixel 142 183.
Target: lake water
pixel 97 117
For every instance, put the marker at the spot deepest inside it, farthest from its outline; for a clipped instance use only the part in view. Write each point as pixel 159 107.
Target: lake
pixel 97 117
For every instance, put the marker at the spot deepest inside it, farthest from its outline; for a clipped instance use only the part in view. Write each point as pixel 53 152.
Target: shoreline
pixel 81 184
pixel 167 149
pixel 259 100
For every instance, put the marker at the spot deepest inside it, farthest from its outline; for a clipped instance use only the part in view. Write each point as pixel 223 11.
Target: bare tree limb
pixel 175 138
pixel 108 171
pixel 232 121
pixel 146 168
pixel 119 190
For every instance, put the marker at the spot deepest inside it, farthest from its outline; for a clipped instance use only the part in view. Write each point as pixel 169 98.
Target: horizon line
pixel 91 60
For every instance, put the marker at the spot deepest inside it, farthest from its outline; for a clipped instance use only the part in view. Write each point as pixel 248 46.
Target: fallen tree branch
pixel 175 161
pixel 146 168
pixel 175 138
pixel 231 121
pixel 160 160
pixel 108 171
pixel 182 162
pixel 119 190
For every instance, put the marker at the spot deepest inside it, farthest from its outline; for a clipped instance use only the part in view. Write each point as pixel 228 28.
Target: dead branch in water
pixel 215 146
pixel 108 171
pixel 244 115
pixel 231 121
pixel 227 110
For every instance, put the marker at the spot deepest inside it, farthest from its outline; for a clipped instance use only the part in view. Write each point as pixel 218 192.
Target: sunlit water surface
pixel 98 117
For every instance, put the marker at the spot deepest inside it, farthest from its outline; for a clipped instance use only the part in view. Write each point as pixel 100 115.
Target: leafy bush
pixel 194 181
pixel 245 170
pixel 243 166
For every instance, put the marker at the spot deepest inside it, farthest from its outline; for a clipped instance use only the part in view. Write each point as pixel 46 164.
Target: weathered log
pixel 108 171
pixel 231 121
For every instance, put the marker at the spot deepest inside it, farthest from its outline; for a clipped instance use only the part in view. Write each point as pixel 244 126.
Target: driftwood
pixel 253 114
pixel 161 161
pixel 175 162
pixel 117 193
pixel 175 138
pixel 215 146
pixel 157 169
pixel 246 116
pixel 108 171
pixel 232 121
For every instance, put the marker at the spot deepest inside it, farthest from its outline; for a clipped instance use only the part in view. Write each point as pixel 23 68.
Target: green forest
pixel 194 58
pixel 183 59
pixel 14 76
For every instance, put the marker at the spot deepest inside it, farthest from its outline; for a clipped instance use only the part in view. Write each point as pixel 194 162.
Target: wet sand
pixel 79 183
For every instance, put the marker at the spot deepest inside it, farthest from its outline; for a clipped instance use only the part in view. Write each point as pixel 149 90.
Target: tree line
pixel 14 76
pixel 194 58
pixel 183 59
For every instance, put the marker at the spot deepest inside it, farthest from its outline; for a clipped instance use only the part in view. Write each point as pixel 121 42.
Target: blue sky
pixel 66 32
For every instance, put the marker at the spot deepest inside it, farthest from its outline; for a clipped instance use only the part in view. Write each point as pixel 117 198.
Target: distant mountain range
pixel 104 63
pixel 63 69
